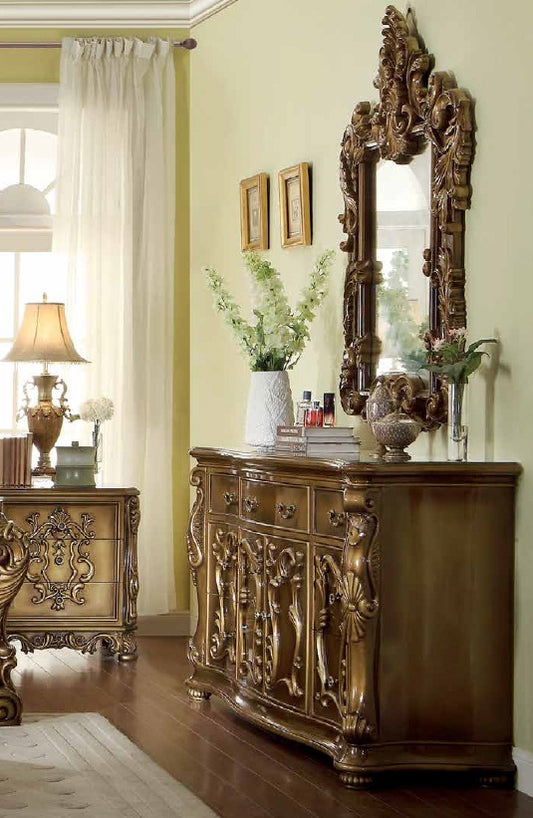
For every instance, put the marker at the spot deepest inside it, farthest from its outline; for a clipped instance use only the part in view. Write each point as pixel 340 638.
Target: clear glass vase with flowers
pixel 453 360
pixel 96 411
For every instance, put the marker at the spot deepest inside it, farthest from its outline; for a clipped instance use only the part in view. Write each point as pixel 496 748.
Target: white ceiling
pixel 105 13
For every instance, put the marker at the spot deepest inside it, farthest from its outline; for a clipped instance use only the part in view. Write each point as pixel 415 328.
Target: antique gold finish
pixel 80 589
pixel 60 541
pixel 14 556
pixel 417 108
pixel 357 632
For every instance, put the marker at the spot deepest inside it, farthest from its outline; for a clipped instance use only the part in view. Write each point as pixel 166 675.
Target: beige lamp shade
pixel 43 336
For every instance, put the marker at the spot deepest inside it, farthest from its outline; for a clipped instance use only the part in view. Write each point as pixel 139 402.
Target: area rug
pixel 79 764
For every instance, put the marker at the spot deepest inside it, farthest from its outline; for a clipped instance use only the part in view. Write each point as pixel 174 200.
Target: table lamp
pixel 43 337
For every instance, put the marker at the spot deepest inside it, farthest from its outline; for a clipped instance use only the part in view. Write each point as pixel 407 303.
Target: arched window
pixel 28 142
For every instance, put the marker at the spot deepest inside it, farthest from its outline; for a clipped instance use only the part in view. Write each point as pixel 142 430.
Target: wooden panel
pixel 223 494
pixel 446 613
pixel 329 518
pixel 97 600
pixel 277 504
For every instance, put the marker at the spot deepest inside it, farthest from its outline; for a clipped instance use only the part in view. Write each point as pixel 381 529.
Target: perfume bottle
pixel 314 416
pixel 301 408
pixel 329 409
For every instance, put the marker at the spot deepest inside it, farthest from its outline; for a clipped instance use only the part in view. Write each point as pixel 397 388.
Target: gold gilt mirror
pixel 405 178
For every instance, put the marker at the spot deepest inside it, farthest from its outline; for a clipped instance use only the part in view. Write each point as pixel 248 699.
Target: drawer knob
pixel 286 512
pixel 230 498
pixel 336 518
pixel 250 504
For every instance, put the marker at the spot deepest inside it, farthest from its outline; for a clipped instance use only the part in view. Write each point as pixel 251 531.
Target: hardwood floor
pixel 237 769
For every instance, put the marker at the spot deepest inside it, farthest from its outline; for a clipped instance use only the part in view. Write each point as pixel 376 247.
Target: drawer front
pixel 329 515
pixel 58 520
pixel 278 504
pixel 223 494
pixel 42 605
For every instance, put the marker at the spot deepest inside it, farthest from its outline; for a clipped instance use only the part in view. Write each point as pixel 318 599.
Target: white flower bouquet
pixel 96 410
pixel 277 339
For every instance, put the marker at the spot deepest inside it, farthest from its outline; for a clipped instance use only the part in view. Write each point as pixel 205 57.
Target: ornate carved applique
pixel 123 643
pixel 131 571
pixel 14 556
pixel 195 531
pixel 224 552
pixel 353 586
pixel 54 544
pixel 285 567
pixel 250 609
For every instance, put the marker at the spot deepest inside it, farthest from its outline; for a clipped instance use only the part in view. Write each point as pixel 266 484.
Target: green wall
pixel 42 65
pixel 274 83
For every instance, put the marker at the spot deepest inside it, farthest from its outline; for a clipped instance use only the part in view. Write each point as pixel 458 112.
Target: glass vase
pixel 97 443
pixel 457 421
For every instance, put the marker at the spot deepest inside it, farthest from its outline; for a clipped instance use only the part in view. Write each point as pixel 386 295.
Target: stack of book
pixel 15 461
pixel 318 441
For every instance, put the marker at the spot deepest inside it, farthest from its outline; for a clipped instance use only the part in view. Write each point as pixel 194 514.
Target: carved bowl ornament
pixel 417 110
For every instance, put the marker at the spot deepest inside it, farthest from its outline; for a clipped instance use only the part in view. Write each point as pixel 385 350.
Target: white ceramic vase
pixel 269 406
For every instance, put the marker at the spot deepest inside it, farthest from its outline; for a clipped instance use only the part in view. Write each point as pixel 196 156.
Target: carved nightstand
pixel 81 584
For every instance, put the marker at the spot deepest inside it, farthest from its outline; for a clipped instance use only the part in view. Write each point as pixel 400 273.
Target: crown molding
pixel 107 13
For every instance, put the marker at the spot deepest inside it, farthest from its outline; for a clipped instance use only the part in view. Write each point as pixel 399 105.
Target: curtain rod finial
pixel 189 43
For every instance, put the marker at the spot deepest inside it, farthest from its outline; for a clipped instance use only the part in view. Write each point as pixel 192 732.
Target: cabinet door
pixel 221 596
pixel 327 622
pixel 286 628
pixel 250 609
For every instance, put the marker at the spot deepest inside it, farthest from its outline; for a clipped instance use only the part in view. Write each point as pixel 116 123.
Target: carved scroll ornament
pixel 416 109
pixel 353 584
pixel 55 543
pixel 195 531
pixel 285 567
pixel 14 556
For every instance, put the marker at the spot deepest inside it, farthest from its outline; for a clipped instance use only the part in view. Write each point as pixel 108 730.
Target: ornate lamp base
pixel 46 418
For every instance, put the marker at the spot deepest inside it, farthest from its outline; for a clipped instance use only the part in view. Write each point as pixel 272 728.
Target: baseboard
pixel 524 766
pixel 171 624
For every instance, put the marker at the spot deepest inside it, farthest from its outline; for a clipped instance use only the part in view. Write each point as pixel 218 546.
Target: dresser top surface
pixel 363 466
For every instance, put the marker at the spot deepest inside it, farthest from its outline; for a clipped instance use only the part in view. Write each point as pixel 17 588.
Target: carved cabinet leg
pixel 128 648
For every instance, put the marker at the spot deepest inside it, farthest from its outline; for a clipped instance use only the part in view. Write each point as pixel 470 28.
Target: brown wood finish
pixel 232 766
pixel 81 585
pixel 375 624
pixel 417 108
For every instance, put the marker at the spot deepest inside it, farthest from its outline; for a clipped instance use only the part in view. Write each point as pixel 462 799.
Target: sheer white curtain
pixel 115 232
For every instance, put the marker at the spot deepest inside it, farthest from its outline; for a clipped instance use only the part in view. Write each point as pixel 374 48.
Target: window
pixel 28 136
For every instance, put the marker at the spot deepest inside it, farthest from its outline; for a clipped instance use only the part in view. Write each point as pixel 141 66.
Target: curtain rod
pixel 189 44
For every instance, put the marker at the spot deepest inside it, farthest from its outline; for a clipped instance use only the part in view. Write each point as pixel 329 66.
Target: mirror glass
pixel 403 225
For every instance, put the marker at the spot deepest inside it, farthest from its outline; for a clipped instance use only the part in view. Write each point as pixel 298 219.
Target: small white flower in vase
pixel 96 411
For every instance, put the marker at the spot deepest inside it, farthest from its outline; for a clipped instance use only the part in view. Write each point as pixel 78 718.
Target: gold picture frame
pixel 254 212
pixel 295 205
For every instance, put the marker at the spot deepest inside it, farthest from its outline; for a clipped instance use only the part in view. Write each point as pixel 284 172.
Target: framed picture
pixel 254 212
pixel 295 205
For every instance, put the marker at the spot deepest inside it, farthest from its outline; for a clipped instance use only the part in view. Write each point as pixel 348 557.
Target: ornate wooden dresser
pixel 364 609
pixel 81 584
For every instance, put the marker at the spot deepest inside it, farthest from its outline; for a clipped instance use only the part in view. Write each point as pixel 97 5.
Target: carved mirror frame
pixel 417 107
